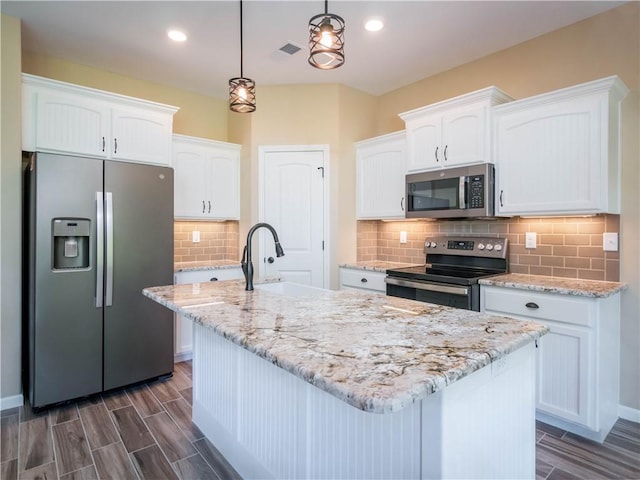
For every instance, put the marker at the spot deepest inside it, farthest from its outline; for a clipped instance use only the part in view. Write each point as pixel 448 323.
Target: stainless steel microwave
pixel 461 192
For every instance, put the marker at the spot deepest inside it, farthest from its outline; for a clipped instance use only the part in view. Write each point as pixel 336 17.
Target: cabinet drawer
pixel 201 276
pixel 536 305
pixel 362 279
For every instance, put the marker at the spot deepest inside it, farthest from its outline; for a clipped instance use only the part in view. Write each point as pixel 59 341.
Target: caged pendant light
pixel 242 91
pixel 326 40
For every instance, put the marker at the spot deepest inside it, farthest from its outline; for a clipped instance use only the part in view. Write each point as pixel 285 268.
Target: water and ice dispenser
pixel 71 238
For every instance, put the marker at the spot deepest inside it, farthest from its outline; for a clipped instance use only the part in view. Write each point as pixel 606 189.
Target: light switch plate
pixel 610 242
pixel 195 236
pixel 403 237
pixel 530 240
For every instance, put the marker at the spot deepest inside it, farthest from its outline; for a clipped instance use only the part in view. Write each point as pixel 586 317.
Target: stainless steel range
pixel 454 264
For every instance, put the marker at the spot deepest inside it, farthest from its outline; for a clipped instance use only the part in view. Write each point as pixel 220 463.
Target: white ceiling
pixel 420 38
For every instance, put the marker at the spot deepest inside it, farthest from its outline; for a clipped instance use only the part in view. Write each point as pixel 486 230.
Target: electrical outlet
pixel 610 242
pixel 403 237
pixel 195 236
pixel 530 240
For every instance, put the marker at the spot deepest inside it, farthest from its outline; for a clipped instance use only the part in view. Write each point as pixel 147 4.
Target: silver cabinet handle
pixel 108 295
pixel 99 248
pixel 445 152
pixel 202 206
pixel 432 287
pixel 363 280
pixel 115 145
pixel 213 279
pixel 501 193
pixel 103 144
pixel 531 305
pixel 209 207
pixel 437 160
pixel 402 204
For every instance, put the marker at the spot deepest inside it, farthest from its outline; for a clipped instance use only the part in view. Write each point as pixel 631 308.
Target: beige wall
pixel 199 115
pixel 10 212
pixel 607 44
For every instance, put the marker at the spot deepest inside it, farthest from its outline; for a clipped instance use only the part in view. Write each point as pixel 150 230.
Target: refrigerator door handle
pixel 99 248
pixel 109 249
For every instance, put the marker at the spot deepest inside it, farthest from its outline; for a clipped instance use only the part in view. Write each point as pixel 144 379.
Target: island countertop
pixel 377 353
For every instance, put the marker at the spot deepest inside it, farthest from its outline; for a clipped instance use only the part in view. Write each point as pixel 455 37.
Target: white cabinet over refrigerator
pixel 60 117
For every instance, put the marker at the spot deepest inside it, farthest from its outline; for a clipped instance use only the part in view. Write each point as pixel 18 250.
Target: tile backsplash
pixel 218 241
pixel 566 246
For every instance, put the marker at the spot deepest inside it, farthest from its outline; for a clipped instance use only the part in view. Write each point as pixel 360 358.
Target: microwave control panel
pixel 476 191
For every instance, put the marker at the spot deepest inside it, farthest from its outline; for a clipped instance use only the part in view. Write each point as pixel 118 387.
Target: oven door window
pixel 441 194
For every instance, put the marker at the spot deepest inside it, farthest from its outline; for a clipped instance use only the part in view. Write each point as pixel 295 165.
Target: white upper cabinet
pixel 559 153
pixel 380 176
pixel 206 179
pixel 60 117
pixel 452 132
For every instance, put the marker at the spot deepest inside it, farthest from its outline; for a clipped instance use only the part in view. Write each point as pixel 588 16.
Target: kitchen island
pixel 297 383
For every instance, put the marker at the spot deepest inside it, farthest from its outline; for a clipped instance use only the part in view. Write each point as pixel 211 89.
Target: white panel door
pixel 293 203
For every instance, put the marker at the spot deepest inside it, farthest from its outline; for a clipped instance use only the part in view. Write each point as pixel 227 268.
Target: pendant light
pixel 326 40
pixel 242 91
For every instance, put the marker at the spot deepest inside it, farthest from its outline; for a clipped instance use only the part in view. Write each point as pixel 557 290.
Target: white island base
pixel 268 423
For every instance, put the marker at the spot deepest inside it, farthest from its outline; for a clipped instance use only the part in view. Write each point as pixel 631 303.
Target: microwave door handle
pixel 462 192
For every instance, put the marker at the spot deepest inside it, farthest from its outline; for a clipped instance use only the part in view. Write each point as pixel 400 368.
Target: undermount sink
pixel 290 289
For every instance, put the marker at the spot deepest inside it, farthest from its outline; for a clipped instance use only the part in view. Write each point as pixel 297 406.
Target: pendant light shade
pixel 326 40
pixel 242 91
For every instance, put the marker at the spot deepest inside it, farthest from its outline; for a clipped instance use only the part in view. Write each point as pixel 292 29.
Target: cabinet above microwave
pixel 453 132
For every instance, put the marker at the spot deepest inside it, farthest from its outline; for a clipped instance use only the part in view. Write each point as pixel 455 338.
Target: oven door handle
pixel 432 287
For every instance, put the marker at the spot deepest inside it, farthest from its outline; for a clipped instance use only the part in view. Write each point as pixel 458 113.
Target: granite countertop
pixel 374 352
pixel 377 265
pixel 564 286
pixel 204 265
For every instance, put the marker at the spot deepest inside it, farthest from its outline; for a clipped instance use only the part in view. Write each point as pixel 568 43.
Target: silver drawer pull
pixel 532 305
pixel 363 280
pixel 213 279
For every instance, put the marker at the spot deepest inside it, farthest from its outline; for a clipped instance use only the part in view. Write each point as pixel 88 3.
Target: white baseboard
pixel 182 357
pixel 11 402
pixel 628 413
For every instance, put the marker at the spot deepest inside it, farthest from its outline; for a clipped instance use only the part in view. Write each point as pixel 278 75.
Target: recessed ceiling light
pixel 176 35
pixel 374 24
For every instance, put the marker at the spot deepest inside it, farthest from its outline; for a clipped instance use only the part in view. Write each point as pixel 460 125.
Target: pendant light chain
pixel 242 91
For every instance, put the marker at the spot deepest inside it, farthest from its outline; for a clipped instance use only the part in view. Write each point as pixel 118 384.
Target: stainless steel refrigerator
pixel 97 232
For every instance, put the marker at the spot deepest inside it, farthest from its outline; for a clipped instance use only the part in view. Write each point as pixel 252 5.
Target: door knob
pixel 270 260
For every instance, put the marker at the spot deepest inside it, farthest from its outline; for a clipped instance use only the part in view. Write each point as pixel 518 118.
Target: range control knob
pixel 489 246
pixel 498 247
pixel 434 244
pixel 481 246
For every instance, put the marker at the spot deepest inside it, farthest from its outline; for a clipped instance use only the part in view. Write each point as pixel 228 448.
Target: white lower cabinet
pixel 355 278
pixel 577 379
pixel 183 327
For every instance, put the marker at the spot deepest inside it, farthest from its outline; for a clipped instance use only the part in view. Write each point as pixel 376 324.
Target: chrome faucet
pixel 247 264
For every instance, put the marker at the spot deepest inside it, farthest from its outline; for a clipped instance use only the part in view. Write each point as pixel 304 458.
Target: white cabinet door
pixel 380 177
pixel 191 177
pixel 564 375
pixel 206 179
pixel 424 138
pixel 225 183
pixel 357 279
pixel 141 136
pixel 71 123
pixel 183 327
pixel 558 153
pixel 464 136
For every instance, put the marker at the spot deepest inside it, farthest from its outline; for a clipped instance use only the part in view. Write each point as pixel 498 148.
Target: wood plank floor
pixel 145 432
